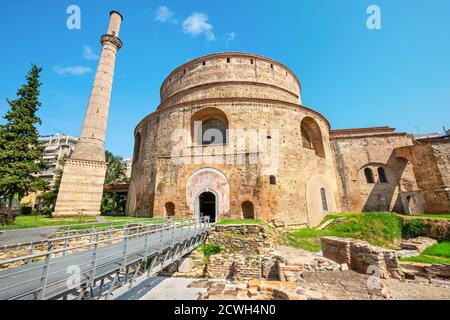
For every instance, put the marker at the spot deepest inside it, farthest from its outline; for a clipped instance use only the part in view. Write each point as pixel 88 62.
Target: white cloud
pixel 74 71
pixel 197 24
pixel 89 54
pixel 163 14
pixel 229 37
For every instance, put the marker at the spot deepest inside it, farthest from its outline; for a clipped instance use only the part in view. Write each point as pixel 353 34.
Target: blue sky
pixel 356 77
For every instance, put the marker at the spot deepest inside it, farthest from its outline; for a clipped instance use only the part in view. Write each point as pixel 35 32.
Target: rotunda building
pixel 231 139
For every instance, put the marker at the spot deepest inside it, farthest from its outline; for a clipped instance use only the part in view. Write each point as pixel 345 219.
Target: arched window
pixel 306 140
pixel 137 147
pixel 273 180
pixel 382 175
pixel 248 210
pixel 209 127
pixel 369 175
pixel 213 132
pixel 170 209
pixel 312 136
pixel 323 195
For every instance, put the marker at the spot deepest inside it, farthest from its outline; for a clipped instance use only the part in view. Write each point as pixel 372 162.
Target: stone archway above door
pixel 205 180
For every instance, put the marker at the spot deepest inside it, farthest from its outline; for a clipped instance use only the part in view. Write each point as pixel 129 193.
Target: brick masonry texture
pixel 84 173
pixel 320 170
pixel 361 257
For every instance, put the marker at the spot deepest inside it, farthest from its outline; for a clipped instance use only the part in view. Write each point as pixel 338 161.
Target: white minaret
pixel 82 182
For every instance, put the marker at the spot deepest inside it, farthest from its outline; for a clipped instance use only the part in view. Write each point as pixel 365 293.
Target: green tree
pixel 115 173
pixel 20 151
pixel 116 170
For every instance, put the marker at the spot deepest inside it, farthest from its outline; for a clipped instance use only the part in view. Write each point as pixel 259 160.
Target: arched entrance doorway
pixel 207 205
pixel 205 181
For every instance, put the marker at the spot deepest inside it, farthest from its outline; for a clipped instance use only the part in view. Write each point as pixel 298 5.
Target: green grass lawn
pixel 436 254
pixel 381 229
pixel 427 216
pixel 25 222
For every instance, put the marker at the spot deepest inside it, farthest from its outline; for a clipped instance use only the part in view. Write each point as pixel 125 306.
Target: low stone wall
pixel 438 229
pixel 361 256
pixel 434 271
pixel 247 239
pixel 336 249
pixel 418 244
pixel 235 266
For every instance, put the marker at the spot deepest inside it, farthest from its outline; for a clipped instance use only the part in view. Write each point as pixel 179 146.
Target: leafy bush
pixel 7 216
pixel 412 228
pixel 209 250
pixel 26 211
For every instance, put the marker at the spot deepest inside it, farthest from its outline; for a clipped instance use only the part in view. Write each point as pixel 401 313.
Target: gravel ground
pixel 416 291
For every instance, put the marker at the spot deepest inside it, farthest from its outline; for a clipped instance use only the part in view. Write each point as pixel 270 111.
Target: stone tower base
pixel 81 188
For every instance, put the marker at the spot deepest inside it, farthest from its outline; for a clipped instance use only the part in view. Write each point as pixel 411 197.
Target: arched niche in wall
pixel 248 210
pixel 170 209
pixel 209 127
pixel 320 198
pixel 137 147
pixel 312 136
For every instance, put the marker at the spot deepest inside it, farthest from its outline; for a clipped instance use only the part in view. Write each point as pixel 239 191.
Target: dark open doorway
pixel 207 201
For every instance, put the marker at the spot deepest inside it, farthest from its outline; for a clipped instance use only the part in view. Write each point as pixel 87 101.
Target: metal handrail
pixel 200 225
pixel 111 223
pixel 51 241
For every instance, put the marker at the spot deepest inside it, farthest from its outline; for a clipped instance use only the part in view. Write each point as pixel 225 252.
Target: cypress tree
pixel 20 151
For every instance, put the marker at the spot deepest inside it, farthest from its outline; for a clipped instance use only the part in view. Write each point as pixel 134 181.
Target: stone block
pixel 185 265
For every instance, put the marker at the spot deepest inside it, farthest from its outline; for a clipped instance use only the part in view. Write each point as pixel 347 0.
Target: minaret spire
pixel 82 182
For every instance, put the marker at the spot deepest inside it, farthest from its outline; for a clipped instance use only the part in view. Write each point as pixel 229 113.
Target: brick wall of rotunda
pixel 256 98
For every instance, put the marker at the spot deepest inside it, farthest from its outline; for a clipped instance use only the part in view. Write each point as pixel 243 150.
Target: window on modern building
pixel 369 175
pixel 273 180
pixel 312 136
pixel 382 175
pixel 323 195
pixel 137 147
pixel 248 210
pixel 170 209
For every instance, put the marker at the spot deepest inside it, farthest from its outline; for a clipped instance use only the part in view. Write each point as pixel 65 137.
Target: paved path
pixel 8 237
pixel 162 288
pixel 408 290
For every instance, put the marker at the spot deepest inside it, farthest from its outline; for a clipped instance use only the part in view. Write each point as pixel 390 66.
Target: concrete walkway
pixel 162 288
pixel 8 237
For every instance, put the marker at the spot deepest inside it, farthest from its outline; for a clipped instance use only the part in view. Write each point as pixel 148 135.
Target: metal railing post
pixel 110 234
pixel 146 251
pixel 94 262
pixel 173 233
pixel 125 248
pixel 31 253
pixel 44 275
pixel 66 244
pixel 90 233
pixel 161 238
